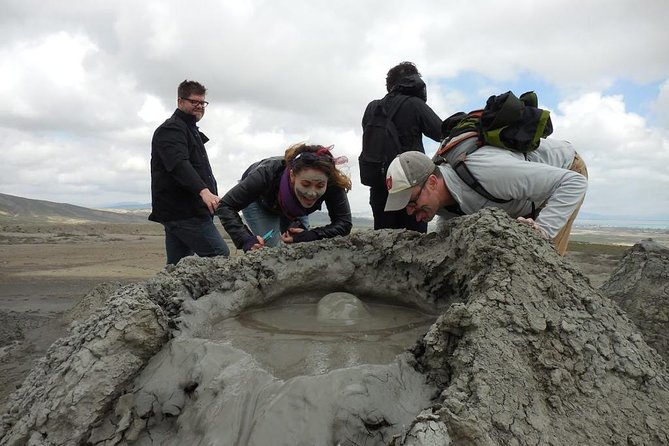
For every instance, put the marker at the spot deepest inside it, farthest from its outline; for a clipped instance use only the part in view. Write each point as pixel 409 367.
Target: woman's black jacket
pixel 260 183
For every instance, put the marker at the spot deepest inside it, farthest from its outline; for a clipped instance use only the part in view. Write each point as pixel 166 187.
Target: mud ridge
pixel 525 352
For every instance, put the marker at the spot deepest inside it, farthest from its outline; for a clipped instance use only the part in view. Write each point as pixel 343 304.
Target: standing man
pixel 183 187
pixel 412 118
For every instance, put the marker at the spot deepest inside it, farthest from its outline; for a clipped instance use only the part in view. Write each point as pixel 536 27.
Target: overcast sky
pixel 84 84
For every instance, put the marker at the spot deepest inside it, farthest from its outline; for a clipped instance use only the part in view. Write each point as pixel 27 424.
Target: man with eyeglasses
pixel 184 193
pixel 552 181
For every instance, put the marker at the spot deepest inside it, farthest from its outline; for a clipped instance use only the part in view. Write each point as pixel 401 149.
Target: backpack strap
pixel 392 111
pixel 390 126
pixel 466 175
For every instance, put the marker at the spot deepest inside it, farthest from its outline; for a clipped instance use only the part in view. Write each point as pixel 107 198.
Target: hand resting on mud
pixel 287 237
pixel 530 221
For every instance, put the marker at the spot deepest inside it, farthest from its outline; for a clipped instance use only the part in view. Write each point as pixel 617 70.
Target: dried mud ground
pixel 46 268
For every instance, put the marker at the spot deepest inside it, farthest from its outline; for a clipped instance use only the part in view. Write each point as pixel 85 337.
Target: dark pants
pixel 394 219
pixel 196 235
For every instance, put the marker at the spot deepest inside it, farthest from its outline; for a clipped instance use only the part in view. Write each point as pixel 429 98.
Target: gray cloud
pixel 84 84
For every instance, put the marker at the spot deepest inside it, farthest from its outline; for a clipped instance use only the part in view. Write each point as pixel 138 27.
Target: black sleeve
pixel 430 123
pixel 186 175
pixel 339 211
pixel 171 144
pixel 240 196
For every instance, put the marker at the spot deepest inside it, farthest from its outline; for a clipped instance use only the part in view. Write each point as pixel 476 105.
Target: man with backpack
pixel 543 188
pixel 392 125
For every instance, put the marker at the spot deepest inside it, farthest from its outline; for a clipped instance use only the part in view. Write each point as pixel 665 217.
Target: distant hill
pixel 26 210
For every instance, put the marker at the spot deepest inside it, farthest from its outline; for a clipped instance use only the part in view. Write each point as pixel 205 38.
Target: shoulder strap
pixel 454 151
pixel 396 105
pixel 466 175
pixel 392 129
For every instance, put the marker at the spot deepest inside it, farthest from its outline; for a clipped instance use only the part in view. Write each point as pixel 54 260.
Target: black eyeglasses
pixel 412 203
pixel 195 103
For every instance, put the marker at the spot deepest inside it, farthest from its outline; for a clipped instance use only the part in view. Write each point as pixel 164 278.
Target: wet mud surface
pixel 290 339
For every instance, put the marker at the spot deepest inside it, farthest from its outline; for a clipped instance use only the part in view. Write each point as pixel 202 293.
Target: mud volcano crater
pixel 312 335
pixel 524 351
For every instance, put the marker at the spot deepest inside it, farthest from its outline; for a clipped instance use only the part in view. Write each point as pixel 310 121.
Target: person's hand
pixel 533 224
pixel 210 200
pixel 254 244
pixel 287 237
pixel 299 235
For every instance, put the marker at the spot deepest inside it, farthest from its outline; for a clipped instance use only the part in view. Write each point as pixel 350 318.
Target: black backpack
pixel 380 141
pixel 508 122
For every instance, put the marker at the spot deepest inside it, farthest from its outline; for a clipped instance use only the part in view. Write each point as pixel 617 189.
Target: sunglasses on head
pixel 314 157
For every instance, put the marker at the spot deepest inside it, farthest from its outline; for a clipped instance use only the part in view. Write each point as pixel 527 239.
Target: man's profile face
pixel 423 203
pixel 193 105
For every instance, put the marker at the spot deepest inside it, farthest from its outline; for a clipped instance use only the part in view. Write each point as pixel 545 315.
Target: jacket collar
pixel 188 119
pixel 191 122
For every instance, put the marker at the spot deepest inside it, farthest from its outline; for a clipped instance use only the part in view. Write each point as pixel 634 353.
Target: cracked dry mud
pixel 524 351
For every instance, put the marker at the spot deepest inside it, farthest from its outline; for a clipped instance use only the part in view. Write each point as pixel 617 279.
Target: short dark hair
pixel 399 71
pixel 187 88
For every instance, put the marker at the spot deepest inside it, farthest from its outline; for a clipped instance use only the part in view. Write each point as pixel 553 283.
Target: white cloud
pixel 626 159
pixel 153 110
pixel 661 105
pixel 84 84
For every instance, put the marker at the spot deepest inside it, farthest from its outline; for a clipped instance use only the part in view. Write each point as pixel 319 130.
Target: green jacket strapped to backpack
pixel 508 122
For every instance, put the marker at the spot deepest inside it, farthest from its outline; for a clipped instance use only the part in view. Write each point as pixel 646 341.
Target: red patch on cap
pixel 389 183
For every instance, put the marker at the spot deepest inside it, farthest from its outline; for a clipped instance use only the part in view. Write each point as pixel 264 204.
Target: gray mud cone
pixel 525 352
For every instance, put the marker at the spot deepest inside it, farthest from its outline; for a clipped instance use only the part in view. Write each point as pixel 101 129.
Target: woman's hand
pixel 254 244
pixel 287 237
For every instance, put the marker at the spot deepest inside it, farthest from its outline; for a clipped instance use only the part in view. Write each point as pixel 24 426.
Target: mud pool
pixel 308 336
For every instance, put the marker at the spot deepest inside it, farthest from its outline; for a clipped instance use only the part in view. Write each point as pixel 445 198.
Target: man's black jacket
pixel 260 183
pixel 414 118
pixel 180 169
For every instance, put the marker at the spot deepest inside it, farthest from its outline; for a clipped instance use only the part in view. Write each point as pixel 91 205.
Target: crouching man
pixel 544 188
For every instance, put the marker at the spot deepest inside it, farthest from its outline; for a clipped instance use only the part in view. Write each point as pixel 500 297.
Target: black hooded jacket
pixel 260 183
pixel 414 118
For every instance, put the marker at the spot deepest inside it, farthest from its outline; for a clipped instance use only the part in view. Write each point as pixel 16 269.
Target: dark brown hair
pixel 187 88
pixel 316 157
pixel 399 71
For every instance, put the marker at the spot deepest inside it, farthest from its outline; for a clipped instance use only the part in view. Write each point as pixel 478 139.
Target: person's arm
pixel 429 122
pixel 569 191
pixel 339 211
pixel 560 189
pixel 239 197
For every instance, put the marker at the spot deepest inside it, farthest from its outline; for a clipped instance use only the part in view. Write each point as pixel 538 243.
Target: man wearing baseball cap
pixel 544 190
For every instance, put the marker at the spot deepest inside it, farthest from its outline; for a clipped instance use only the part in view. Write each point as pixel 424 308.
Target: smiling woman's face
pixel 309 185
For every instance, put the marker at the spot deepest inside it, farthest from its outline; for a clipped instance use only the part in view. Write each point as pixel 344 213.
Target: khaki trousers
pixel 561 240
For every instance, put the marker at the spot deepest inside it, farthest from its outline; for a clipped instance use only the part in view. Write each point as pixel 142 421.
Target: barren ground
pixel 46 269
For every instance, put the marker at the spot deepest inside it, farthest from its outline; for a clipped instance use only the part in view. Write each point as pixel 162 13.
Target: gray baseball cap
pixel 407 170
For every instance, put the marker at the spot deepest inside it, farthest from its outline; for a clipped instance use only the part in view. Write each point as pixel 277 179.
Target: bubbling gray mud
pixel 300 337
pixel 524 352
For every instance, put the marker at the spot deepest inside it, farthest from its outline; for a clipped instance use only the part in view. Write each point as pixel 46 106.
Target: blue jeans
pixel 195 235
pixel 260 221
